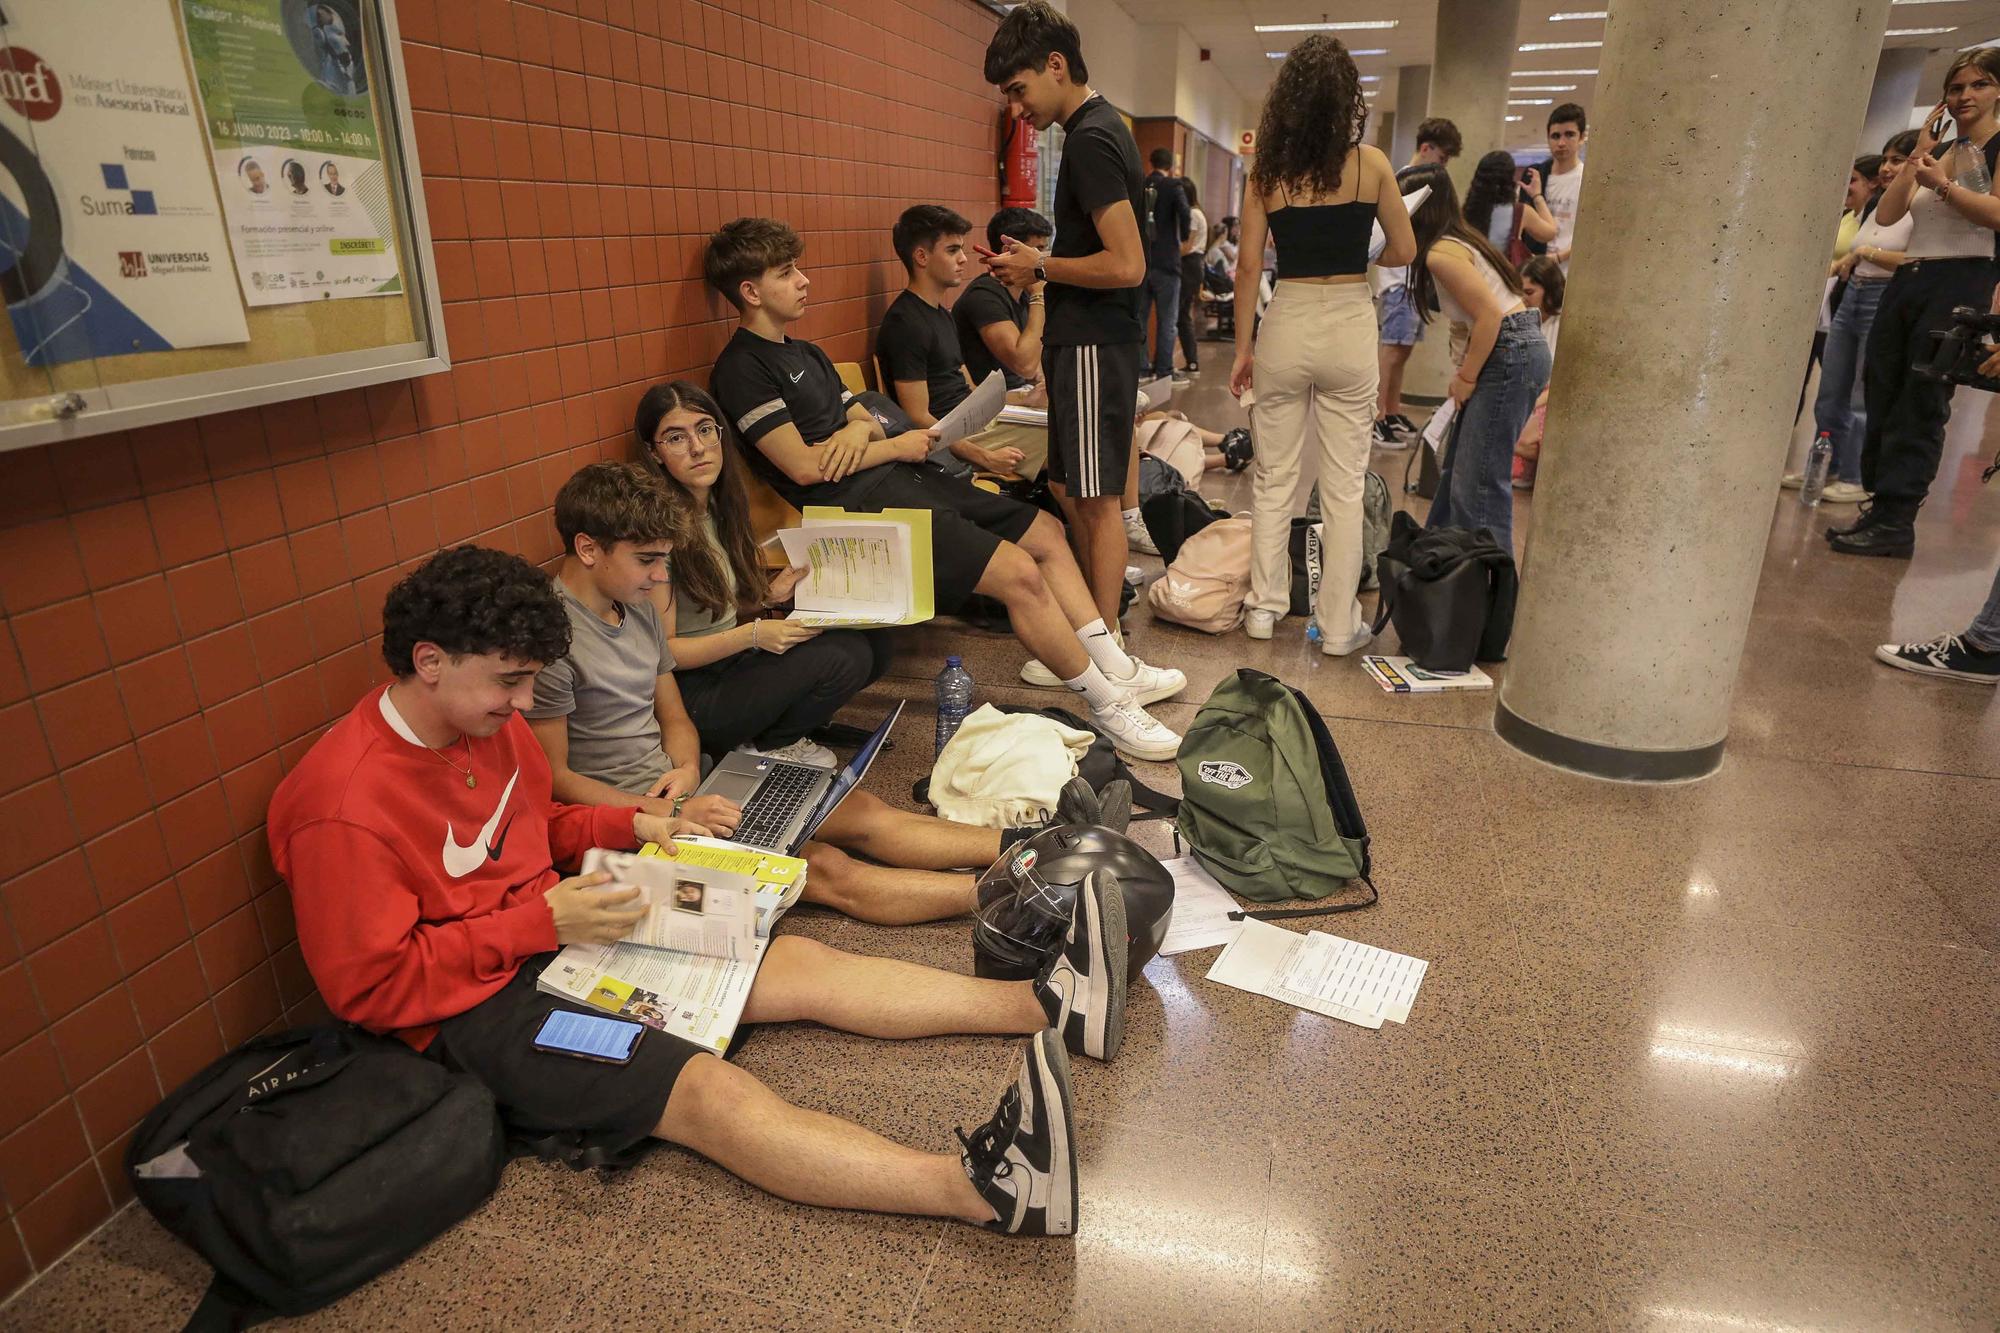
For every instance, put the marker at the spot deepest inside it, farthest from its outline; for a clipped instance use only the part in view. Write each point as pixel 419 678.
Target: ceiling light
pixel 1543 88
pixel 1917 32
pixel 1577 14
pixel 1371 51
pixel 1571 46
pixel 1513 117
pixel 1531 101
pixel 1549 73
pixel 1371 78
pixel 1923 2
pixel 1364 24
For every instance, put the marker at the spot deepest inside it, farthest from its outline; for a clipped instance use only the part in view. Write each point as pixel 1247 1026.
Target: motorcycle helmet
pixel 1026 897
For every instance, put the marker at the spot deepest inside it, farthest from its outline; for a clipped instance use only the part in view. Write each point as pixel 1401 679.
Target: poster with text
pixel 110 239
pixel 284 91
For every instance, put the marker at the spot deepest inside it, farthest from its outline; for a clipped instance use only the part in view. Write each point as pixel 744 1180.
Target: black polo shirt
pixel 1100 165
pixel 986 301
pixel 919 341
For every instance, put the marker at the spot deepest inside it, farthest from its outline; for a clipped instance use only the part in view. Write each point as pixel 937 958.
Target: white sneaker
pixel 1034 673
pixel 1342 647
pixel 803 751
pixel 1137 537
pixel 1793 481
pixel 1149 684
pixel 1260 624
pixel 1843 493
pixel 1136 733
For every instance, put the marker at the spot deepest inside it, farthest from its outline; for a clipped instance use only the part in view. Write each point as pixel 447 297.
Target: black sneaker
pixel 1023 1160
pixel 1884 537
pixel 1082 989
pixel 1946 655
pixel 1237 449
pixel 1386 435
pixel 1403 424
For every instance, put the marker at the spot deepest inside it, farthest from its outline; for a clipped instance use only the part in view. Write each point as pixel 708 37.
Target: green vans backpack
pixel 1266 806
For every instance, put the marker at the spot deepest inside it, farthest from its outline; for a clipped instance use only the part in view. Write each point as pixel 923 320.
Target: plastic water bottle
pixel 1970 169
pixel 1818 460
pixel 1313 635
pixel 954 700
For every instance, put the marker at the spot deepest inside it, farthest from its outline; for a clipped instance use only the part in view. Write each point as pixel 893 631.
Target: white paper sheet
pixel 858 573
pixel 1377 240
pixel 1438 426
pixel 1200 919
pixel 1341 978
pixel 975 412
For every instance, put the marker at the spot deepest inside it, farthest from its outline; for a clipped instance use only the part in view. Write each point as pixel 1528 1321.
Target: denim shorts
pixel 1396 321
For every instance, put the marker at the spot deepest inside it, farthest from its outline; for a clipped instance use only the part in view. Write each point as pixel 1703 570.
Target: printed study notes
pixel 863 569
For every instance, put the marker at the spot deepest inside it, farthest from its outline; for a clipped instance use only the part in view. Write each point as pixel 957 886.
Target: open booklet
pixel 696 996
pixel 1401 675
pixel 862 569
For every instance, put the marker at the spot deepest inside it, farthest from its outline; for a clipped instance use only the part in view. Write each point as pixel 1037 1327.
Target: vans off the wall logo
pixel 1222 773
pixel 28 84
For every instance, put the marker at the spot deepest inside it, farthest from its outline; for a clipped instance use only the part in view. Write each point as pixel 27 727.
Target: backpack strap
pixel 1286 913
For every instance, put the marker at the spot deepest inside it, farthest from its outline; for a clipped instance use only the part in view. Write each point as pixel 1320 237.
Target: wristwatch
pixel 1041 273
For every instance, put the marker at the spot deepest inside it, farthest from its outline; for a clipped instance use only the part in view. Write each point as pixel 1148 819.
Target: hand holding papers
pixel 1377 242
pixel 862 569
pixel 975 413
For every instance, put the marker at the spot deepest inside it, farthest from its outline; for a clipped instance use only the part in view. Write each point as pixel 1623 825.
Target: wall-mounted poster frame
pixel 300 236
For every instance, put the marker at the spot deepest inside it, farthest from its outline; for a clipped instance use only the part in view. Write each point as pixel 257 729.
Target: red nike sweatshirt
pixel 417 896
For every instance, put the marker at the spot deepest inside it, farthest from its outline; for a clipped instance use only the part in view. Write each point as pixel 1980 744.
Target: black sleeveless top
pixel 1324 240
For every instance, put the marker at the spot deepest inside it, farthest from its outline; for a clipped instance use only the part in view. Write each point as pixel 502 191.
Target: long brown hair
pixel 698 567
pixel 1313 118
pixel 1439 218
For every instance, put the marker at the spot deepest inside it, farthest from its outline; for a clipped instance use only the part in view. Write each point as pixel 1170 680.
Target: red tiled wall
pixel 186 607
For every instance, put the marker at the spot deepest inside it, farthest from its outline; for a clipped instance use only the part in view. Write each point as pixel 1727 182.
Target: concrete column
pixel 1413 92
pixel 1475 54
pixel 1893 100
pixel 1684 338
pixel 1384 137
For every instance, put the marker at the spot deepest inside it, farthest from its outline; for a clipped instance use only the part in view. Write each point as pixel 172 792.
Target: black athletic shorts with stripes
pixel 1093 399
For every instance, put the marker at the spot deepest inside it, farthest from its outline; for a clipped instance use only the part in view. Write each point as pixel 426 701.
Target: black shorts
pixel 593 1110
pixel 967 523
pixel 1093 400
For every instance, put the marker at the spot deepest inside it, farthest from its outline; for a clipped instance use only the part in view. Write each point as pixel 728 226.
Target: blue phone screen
pixel 604 1038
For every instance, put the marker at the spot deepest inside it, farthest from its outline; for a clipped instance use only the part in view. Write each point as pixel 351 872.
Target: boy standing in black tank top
pixel 1094 339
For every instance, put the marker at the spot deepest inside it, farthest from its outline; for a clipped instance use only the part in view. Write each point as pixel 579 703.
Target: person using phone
pixel 1504 205
pixel 420 839
pixel 1947 190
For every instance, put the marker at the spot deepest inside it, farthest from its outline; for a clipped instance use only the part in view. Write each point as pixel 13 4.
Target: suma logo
pixel 28 84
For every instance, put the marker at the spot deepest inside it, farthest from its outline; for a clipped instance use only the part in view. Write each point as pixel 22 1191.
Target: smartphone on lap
pixel 611 1041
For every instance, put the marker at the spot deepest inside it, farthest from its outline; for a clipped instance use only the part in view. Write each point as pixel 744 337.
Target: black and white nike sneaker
pixel 1023 1160
pixel 1082 989
pixel 1946 655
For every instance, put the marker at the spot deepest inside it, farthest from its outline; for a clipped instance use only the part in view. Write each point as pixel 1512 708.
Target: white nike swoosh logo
pixel 462 861
pixel 797 376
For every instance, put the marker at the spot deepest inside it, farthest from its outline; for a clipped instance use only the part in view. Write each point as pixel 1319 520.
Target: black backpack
pixel 1172 517
pixel 1450 593
pixel 304 1164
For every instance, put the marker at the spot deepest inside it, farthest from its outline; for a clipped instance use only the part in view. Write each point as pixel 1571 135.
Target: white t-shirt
pixel 1895 236
pixel 1563 191
pixel 1197 232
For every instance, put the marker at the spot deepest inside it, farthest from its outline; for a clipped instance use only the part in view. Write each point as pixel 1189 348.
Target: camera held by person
pixel 1964 352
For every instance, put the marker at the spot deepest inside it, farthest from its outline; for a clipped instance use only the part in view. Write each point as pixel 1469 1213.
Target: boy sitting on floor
pixel 610 717
pixel 412 928
pixel 814 447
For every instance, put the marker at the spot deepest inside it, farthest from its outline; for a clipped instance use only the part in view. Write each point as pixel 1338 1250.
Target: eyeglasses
pixel 678 442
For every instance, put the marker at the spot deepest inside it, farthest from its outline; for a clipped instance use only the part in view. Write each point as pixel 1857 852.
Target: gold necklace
pixel 470 780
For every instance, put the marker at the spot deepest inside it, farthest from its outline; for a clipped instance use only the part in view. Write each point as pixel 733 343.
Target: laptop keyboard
pixel 775 803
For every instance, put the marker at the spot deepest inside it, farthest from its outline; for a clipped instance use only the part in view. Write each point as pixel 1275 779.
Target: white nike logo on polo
pixel 460 861
pixel 798 375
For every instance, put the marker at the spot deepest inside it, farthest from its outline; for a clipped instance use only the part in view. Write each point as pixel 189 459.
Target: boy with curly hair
pixel 420 841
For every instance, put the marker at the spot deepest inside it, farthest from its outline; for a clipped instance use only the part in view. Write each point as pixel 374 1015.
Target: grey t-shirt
pixel 691 618
pixel 605 687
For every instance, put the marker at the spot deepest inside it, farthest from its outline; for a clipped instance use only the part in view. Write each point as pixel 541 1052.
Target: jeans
pixel 1840 409
pixel 1163 293
pixel 1190 293
pixel 1985 632
pixel 1314 374
pixel 1904 436
pixel 1476 485
pixel 773 699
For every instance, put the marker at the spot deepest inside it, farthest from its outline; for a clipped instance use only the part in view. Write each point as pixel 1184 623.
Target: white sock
pixel 1098 692
pixel 1132 516
pixel 1104 650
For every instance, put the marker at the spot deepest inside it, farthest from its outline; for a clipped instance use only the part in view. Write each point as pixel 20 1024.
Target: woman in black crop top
pixel 1317 191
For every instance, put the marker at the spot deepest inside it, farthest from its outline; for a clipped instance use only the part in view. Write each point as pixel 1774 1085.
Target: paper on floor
pixel 1200 919
pixel 1341 978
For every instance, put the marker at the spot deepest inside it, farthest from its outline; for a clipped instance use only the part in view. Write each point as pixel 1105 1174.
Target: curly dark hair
pixel 1313 118
pixel 470 600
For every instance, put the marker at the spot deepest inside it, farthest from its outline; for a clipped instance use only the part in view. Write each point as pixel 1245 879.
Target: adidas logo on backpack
pixel 1266 806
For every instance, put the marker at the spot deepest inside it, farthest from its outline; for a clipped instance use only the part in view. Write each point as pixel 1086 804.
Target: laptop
pixel 785 803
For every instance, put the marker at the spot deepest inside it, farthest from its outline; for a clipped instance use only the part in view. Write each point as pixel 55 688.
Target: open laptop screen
pixel 847 778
